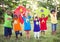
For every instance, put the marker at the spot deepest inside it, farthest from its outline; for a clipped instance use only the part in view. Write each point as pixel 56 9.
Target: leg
pixel 35 35
pixel 38 34
pixel 17 32
pixel 43 32
pixel 55 25
pixel 52 29
pixel 6 32
pixel 27 35
pixel 20 33
pixel 10 32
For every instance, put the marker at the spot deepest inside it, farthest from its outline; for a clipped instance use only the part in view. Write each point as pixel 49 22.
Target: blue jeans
pixel 7 31
pixel 54 26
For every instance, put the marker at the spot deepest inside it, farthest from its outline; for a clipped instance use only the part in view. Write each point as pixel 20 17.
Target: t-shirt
pixel 27 25
pixel 8 20
pixel 43 23
pixel 36 26
pixel 53 19
pixel 16 25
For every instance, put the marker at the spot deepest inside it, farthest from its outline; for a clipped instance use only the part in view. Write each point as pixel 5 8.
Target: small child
pixel 17 26
pixel 27 25
pixel 43 25
pixel 53 16
pixel 7 25
pixel 36 27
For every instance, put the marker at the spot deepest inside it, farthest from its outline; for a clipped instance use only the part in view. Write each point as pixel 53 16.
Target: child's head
pixel 53 11
pixel 8 12
pixel 42 15
pixel 15 16
pixel 35 17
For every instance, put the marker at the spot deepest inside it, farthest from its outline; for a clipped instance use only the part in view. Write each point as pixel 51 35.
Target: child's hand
pixel 31 14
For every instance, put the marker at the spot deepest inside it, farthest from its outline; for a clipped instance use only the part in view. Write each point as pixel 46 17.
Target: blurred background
pixel 32 5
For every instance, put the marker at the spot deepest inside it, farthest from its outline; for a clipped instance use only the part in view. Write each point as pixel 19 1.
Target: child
pixel 36 27
pixel 17 27
pixel 7 25
pixel 43 25
pixel 27 25
pixel 53 16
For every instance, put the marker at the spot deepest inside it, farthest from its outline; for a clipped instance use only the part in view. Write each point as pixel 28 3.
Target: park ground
pixel 46 38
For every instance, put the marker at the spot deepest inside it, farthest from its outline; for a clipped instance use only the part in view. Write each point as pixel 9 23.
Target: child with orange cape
pixel 17 26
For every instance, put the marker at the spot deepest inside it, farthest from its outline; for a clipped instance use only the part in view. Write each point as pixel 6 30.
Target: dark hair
pixel 36 17
pixel 42 15
pixel 15 16
pixel 53 11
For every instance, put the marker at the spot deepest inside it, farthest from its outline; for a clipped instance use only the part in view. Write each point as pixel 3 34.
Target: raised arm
pixel 56 13
pixel 46 18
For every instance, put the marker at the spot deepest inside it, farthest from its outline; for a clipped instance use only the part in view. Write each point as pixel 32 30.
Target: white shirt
pixel 53 18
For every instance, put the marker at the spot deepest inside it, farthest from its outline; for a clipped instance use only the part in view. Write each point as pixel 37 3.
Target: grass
pixel 46 38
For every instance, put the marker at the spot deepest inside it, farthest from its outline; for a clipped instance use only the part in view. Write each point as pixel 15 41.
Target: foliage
pixel 12 5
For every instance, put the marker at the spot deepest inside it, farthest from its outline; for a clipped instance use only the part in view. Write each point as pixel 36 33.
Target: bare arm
pixel 56 13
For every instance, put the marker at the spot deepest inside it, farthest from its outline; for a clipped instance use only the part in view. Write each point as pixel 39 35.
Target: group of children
pixel 40 24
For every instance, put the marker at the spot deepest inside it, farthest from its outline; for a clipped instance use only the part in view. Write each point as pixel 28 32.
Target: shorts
pixel 54 26
pixel 18 32
pixel 7 31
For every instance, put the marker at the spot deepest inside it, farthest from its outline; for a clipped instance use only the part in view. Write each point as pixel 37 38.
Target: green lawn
pixel 46 38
